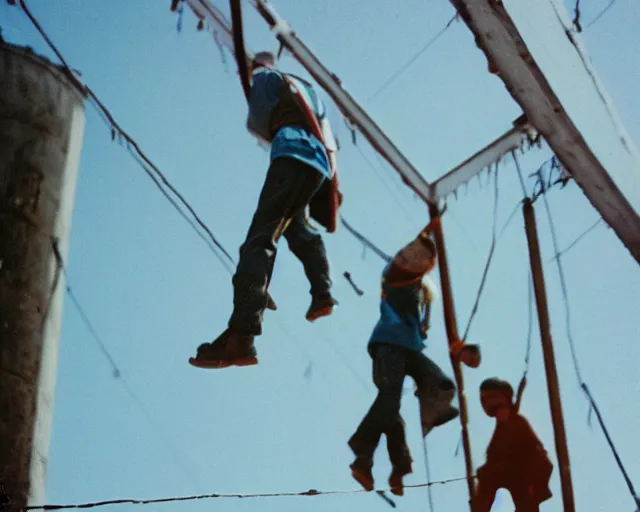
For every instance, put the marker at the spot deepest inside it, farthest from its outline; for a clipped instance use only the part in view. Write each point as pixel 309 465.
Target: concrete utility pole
pixel 41 132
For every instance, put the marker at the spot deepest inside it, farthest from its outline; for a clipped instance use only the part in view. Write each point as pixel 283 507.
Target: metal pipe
pixel 453 337
pixel 553 386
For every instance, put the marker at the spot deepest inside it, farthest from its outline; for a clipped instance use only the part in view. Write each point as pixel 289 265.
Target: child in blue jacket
pixel 395 347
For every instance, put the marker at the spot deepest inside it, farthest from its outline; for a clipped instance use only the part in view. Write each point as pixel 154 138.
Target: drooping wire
pixel 427 469
pixel 413 59
pixel 576 17
pixel 143 160
pixel 365 241
pixel 602 13
pixel 581 382
pixel 384 183
pixel 115 369
pixel 309 493
pixel 578 239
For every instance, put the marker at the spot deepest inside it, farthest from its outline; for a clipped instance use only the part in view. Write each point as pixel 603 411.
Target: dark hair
pixel 495 384
pixel 262 58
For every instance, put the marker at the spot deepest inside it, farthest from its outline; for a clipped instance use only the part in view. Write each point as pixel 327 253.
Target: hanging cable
pixel 115 369
pixel 576 17
pixel 527 355
pixel 365 241
pixel 413 59
pixel 578 239
pixel 384 183
pixel 309 493
pixel 427 469
pixel 581 382
pixel 602 13
pixel 143 160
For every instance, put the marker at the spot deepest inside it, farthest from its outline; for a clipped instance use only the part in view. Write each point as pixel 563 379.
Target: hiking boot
pixel 361 472
pixel 231 348
pixel 321 305
pixel 395 480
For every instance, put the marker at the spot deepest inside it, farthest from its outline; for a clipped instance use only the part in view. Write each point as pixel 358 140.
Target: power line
pixel 132 146
pixel 581 382
pixel 384 183
pixel 578 239
pixel 413 59
pixel 309 493
pixel 116 371
pixel 602 13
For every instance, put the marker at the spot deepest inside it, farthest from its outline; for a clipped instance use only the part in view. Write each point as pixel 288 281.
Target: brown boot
pixel 321 305
pixel 231 348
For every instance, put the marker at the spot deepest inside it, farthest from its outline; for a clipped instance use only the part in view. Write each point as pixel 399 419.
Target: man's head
pixel 418 256
pixel 264 60
pixel 496 397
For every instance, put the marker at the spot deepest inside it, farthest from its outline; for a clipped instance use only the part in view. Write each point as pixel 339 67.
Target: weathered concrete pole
pixel 41 132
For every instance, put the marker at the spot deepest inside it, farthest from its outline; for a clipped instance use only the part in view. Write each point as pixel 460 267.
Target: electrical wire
pixel 115 369
pixel 578 239
pixel 309 493
pixel 132 146
pixel 384 183
pixel 581 382
pixel 602 13
pixel 413 59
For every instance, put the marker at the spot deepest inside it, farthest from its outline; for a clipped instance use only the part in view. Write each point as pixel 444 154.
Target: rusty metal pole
pixel 453 337
pixel 549 358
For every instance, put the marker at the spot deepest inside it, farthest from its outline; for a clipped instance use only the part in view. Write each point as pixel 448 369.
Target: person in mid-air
pixel 516 458
pixel 285 112
pixel 396 346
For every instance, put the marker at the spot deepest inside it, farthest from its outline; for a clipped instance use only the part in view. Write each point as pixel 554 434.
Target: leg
pixel 399 455
pixel 523 498
pixel 288 188
pixel 307 245
pixel 485 495
pixel 388 376
pixel 435 391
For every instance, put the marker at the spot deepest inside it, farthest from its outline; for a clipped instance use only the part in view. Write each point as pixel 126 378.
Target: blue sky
pixel 154 291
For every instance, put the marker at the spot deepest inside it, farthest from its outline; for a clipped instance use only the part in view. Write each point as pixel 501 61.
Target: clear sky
pixel 154 291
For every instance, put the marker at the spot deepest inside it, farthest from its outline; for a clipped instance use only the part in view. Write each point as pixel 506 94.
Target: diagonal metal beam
pixel 348 106
pixel 513 139
pixel 498 37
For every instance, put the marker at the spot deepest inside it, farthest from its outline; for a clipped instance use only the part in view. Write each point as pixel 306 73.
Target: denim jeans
pixel 391 363
pixel 287 191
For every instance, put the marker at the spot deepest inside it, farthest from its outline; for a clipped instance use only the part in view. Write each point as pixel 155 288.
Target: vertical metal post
pixel 453 337
pixel 548 355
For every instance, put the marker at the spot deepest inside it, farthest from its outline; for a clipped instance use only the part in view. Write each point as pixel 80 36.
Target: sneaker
pixel 321 305
pixel 361 472
pixel 229 349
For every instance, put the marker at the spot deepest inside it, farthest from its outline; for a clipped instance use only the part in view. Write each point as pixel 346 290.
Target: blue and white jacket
pixel 275 118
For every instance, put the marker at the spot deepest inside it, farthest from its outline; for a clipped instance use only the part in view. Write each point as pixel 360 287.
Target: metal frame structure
pixel 498 37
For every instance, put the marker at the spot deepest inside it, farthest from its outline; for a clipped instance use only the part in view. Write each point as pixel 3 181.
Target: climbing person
pixel 396 346
pixel 516 458
pixel 285 112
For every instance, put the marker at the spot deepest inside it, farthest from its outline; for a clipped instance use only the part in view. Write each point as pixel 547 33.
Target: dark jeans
pixel 287 190
pixel 391 363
